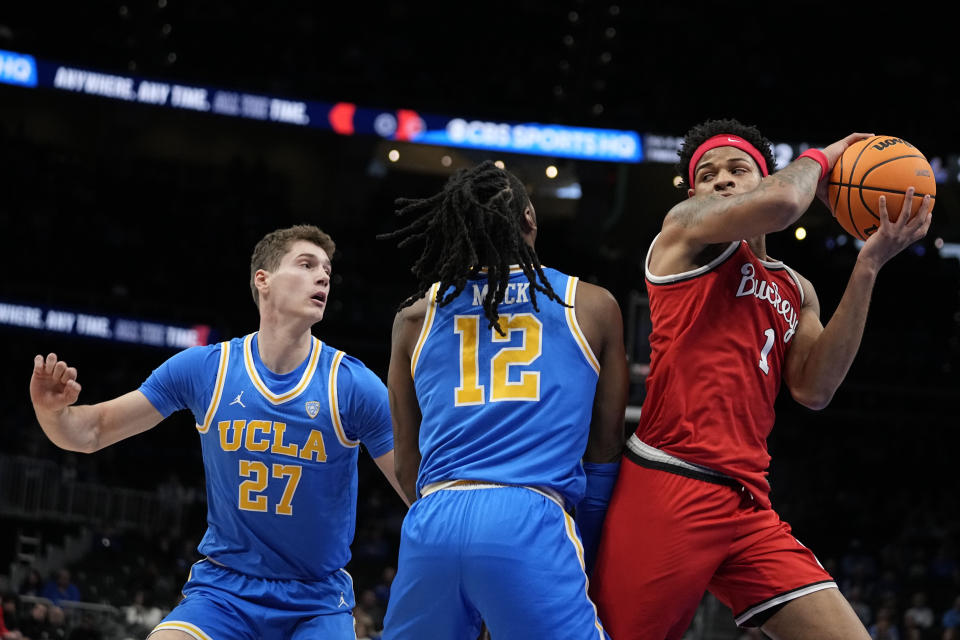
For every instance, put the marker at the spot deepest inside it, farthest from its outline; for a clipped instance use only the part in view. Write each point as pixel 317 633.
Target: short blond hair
pixel 272 247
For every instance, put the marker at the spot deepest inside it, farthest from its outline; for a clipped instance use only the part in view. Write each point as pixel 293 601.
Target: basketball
pixel 877 166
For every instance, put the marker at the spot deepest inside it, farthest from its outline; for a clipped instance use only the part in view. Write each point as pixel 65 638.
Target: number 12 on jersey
pixel 527 388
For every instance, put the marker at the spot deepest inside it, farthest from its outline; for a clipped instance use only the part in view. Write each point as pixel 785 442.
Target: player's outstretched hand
pixel 53 386
pixel 893 237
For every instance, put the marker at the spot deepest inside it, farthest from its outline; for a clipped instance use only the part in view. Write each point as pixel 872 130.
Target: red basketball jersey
pixel 719 340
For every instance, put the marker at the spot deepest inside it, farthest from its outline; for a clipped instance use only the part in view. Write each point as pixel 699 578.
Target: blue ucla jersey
pixel 279 452
pixel 511 409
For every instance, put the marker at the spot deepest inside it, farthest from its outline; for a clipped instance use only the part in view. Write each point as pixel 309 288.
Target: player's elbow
pixel 406 477
pixel 90 446
pixel 812 398
pixel 75 444
pixel 403 477
pixel 787 207
pixel 75 439
pixel 87 441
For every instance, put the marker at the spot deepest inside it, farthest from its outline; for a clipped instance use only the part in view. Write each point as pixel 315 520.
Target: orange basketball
pixel 877 166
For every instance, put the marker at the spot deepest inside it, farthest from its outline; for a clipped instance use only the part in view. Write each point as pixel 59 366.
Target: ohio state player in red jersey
pixel 691 511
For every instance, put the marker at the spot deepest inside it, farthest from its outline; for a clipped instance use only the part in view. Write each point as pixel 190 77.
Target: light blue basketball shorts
pixel 222 604
pixel 506 556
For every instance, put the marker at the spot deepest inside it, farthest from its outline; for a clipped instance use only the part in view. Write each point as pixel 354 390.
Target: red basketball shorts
pixel 669 538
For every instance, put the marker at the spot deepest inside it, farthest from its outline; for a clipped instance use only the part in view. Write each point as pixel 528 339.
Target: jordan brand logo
pixel 343 602
pixel 238 401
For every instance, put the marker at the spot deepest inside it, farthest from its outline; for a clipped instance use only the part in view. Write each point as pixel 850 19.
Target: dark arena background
pixel 146 146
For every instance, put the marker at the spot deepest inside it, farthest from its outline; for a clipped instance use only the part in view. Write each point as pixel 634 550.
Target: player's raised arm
pixel 733 195
pixel 54 391
pixel 820 357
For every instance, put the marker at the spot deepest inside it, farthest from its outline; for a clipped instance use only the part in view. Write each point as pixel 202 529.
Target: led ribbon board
pixel 342 117
pixel 92 325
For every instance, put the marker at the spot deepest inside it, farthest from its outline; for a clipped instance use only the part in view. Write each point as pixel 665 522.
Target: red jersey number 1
pixel 771 336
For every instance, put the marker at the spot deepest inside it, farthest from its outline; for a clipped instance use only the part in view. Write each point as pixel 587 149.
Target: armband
pixel 592 509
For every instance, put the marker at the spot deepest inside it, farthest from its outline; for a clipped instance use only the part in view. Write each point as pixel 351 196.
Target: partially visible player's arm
pixel 387 466
pixel 601 321
pixel 85 428
pixel 598 315
pixel 779 200
pixel 820 357
pixel 404 408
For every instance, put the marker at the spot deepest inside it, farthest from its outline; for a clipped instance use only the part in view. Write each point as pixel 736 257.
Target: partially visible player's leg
pixel 426 599
pixel 772 581
pixel 209 608
pixel 203 619
pixel 171 634
pixel 823 615
pixel 222 604
pixel 664 535
pixel 523 567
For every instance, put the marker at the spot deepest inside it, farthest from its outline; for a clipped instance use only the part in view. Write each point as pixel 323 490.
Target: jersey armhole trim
pixel 425 329
pixel 217 388
pixel 570 299
pixel 687 275
pixel 335 403
pixel 796 279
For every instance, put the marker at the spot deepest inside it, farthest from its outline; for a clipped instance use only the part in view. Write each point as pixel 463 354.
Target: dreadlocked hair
pixel 472 225
pixel 702 132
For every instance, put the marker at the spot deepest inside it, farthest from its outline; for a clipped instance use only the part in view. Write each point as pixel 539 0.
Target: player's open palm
pixel 893 237
pixel 53 386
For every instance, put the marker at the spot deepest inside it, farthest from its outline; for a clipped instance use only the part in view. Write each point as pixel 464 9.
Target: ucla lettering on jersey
pixel 513 408
pixel 280 462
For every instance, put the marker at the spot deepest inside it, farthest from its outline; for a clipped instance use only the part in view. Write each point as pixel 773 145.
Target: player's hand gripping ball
pixel 877 166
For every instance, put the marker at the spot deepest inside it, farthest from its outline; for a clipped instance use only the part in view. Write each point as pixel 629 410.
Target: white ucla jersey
pixel 279 452
pixel 514 408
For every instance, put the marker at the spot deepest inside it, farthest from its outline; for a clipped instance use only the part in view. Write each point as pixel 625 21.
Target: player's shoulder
pixel 799 276
pixel 595 296
pixel 198 355
pixel 796 275
pixel 408 321
pixel 345 359
pixel 415 311
pixel 807 290
pixel 354 377
pixel 213 349
pixel 349 364
pixel 234 343
pixel 586 294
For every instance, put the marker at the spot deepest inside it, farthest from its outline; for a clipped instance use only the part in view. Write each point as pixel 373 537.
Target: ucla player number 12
pixel 527 388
